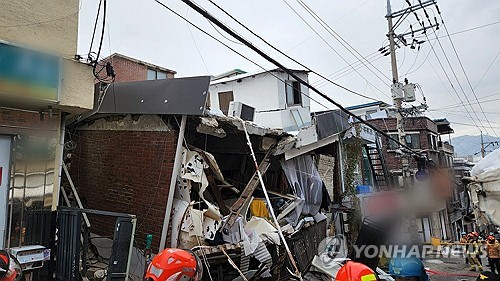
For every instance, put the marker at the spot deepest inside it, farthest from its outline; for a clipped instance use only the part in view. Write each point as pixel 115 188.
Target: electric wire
pixel 347 69
pixel 95 26
pixel 239 53
pixel 281 52
pixel 410 71
pixel 247 43
pixel 196 45
pixel 487 70
pixel 462 67
pixel 341 40
pixel 337 20
pixel 482 101
pixel 228 39
pixel 452 86
pixel 331 47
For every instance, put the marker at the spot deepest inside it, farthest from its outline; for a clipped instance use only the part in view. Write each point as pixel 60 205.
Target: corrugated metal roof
pixel 166 96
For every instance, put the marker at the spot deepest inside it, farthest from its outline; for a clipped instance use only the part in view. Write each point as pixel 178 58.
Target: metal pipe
pixel 173 181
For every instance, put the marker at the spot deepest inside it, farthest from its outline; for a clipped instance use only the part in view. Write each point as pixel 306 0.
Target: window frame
pixel 156 71
pixel 296 94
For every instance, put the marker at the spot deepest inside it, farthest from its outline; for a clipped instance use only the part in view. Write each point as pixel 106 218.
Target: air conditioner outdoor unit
pixel 241 110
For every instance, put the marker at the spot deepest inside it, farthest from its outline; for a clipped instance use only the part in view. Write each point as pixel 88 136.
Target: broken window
pixel 293 93
pixel 225 98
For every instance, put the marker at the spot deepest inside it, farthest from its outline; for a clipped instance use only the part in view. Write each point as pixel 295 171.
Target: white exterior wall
pixel 361 112
pixel 51 26
pixel 267 95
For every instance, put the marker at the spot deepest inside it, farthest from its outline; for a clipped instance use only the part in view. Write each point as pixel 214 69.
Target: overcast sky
pixel 145 30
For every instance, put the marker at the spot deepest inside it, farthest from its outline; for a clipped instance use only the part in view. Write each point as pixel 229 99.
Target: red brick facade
pixel 125 171
pixel 128 69
pixel 423 125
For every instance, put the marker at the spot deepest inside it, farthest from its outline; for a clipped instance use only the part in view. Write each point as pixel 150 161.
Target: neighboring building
pixel 42 85
pixel 367 109
pixel 129 69
pixel 462 168
pixel 279 101
pixel 421 135
pixel 424 136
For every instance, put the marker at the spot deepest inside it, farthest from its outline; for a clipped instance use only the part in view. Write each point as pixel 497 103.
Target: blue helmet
pixel 408 267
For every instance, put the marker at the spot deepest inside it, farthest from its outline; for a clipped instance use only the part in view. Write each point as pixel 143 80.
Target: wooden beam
pixel 247 192
pixel 216 192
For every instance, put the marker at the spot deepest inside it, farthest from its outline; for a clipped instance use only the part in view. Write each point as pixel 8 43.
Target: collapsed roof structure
pixel 217 202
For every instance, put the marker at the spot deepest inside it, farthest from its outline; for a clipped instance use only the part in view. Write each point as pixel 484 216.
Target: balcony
pixel 362 132
pixel 446 147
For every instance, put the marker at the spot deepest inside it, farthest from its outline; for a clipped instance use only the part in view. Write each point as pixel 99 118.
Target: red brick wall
pixel 124 171
pixel 23 122
pixel 128 71
pixel 422 124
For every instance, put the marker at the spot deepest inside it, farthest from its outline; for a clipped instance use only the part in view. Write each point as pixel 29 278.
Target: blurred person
pixel 493 251
pixel 464 240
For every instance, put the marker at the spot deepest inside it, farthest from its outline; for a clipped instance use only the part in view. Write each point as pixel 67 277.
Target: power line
pixel 234 50
pixel 331 47
pixel 451 83
pixel 410 71
pixel 337 20
pixel 482 101
pixel 488 69
pixel 283 53
pixel 463 69
pixel 339 38
pixel 196 45
pixel 247 43
pixel 347 69
pixel 95 27
pixel 473 28
pixel 465 124
pixel 487 112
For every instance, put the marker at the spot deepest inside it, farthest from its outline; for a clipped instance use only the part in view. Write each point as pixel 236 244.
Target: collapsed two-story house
pixel 132 156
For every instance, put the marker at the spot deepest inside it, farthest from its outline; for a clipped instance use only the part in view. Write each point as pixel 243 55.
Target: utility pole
pixel 397 99
pixel 406 92
pixel 482 145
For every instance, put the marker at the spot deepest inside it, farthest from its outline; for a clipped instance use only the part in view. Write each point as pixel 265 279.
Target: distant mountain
pixel 469 145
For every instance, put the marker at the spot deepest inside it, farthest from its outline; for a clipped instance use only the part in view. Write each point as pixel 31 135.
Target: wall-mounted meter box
pixel 30 257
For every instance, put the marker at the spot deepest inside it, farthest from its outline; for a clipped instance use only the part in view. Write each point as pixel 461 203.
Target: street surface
pixel 450 269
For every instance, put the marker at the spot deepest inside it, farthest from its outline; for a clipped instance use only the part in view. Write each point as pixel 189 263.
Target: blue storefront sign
pixel 28 74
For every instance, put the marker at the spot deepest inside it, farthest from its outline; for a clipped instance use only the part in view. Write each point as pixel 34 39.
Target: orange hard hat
pixel 355 271
pixel 175 264
pixel 491 238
